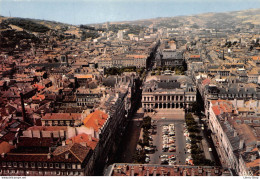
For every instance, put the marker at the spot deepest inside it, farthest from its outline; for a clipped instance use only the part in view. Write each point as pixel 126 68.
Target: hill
pixel 206 20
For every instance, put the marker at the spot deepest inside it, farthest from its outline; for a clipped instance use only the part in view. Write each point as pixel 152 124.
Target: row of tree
pixel 196 152
pixel 140 155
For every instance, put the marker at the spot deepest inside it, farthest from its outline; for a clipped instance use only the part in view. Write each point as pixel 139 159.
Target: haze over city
pixel 99 11
pixel 129 88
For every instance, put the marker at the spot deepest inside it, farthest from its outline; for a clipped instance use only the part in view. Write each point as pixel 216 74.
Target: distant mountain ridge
pixel 205 20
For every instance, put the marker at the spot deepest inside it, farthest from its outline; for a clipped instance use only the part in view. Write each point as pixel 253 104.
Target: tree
pixel 140 142
pixel 146 122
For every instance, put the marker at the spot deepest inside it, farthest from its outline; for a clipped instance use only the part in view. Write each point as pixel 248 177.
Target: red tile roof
pixel 95 120
pixel 5 147
pixel 47 128
pixel 61 116
pixel 83 138
pixel 206 81
pixel 195 56
pixel 39 97
pixel 216 110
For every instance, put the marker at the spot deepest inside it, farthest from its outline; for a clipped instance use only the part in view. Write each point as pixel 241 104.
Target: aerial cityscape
pixel 170 95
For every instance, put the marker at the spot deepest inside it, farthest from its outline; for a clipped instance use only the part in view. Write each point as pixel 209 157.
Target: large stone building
pixel 169 57
pixel 236 138
pixel 138 61
pixel 163 170
pixel 168 92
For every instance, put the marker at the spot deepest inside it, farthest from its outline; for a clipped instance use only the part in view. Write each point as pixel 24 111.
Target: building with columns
pixel 168 92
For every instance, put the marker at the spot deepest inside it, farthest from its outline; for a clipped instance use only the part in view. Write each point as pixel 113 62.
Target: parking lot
pixel 168 140
pixel 167 144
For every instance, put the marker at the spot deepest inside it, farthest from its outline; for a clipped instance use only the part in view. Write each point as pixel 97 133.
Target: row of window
pixel 188 98
pixel 41 165
pixel 47 173
pixel 86 99
pixel 58 123
pixel 235 95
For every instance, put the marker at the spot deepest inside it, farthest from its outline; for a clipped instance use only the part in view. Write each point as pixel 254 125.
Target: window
pixel 51 165
pixel 68 166
pixel 73 166
pixel 9 164
pixel 3 164
pixel 79 166
pixel 57 165
pixel 39 164
pixel 15 164
pixel 32 164
pixel 63 166
pixel 44 165
pixel 20 164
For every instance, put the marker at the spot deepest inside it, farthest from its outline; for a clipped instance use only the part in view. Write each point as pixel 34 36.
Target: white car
pixel 165 146
pixel 172 134
pixel 171 141
pixel 165 136
pixel 171 163
pixel 165 141
pixel 164 156
pixel 147 159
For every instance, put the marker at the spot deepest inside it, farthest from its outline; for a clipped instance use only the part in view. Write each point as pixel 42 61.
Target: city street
pixel 130 139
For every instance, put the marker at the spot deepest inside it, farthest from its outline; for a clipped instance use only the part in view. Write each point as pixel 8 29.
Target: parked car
pixel 165 141
pixel 172 157
pixel 171 162
pixel 147 159
pixel 172 149
pixel 164 156
pixel 172 145
pixel 164 161
pixel 172 134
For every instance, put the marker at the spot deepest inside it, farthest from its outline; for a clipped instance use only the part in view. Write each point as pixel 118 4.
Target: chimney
pixel 23 108
pixel 216 170
pixel 11 142
pixel 162 172
pixel 235 133
pixel 140 170
pixel 200 170
pixel 49 155
pixel 132 173
pixel 241 144
pixel 3 155
pixel 154 172
pixel 192 172
pixel 176 169
pixel 89 138
pixel 67 155
pixel 147 172
pixel 253 157
pixel 125 168
pixel 184 172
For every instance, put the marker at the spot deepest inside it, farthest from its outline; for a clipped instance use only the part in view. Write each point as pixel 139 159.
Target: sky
pixel 100 11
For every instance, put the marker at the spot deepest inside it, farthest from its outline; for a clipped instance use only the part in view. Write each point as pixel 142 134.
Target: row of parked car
pixel 168 143
pixel 168 159
pixel 189 160
pixel 151 148
pixel 168 138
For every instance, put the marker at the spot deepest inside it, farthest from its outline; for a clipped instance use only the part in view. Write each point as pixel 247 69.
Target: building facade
pixel 168 92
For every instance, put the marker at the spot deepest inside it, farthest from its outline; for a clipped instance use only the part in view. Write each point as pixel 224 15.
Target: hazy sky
pixel 98 11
